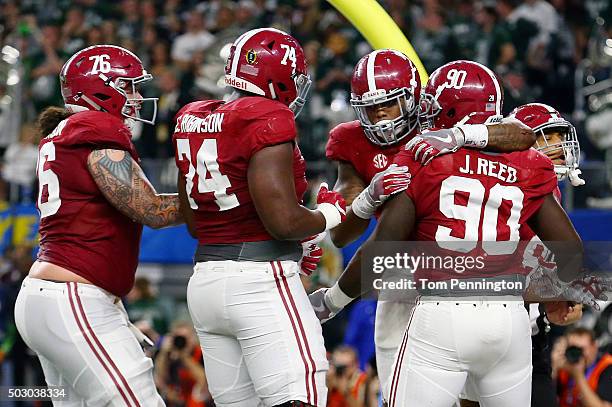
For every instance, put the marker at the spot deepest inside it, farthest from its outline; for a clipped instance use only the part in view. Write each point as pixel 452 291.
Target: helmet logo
pixel 251 56
pixel 380 161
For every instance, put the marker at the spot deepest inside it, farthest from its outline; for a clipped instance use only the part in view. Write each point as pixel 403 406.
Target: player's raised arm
pixel 504 137
pixel 395 224
pixel 453 94
pixel 508 136
pixel 272 188
pixel 125 186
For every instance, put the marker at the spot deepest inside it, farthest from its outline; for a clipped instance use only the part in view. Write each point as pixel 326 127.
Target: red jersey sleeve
pixel 97 130
pixel 338 143
pixel 275 125
pixel 542 181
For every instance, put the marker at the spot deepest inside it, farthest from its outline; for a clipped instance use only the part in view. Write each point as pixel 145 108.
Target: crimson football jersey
pixel 526 232
pixel 348 142
pixel 79 229
pixel 214 142
pixel 471 201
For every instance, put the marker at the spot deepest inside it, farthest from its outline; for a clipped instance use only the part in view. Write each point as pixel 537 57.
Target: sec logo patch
pixel 380 161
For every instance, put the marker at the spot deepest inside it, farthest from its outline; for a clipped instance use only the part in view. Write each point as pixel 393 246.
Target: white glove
pixel 327 302
pixel 332 206
pixel 431 144
pixel 574 177
pixel 585 290
pixel 384 184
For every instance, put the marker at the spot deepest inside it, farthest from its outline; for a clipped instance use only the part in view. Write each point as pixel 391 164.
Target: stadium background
pixel 557 52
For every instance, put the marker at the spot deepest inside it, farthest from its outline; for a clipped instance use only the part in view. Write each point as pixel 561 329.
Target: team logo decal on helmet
pixel 251 56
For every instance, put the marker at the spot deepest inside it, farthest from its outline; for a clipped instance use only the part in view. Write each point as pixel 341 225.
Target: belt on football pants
pixel 267 250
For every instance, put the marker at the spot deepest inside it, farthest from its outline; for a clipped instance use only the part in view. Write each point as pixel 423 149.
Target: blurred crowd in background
pixel 557 52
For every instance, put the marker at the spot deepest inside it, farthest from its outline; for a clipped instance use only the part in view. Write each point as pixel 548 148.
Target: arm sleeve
pixel 275 127
pixel 541 183
pixel 99 132
pixel 337 147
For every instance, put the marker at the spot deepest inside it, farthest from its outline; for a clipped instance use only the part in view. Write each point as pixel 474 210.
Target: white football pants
pixel 389 327
pixel 261 341
pixel 81 336
pixel 483 343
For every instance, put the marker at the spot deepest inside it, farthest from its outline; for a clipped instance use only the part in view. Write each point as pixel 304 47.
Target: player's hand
pixel 311 254
pixel 384 184
pixel 563 312
pixel 322 308
pixel 590 289
pixel 431 144
pixel 332 205
pixel 586 290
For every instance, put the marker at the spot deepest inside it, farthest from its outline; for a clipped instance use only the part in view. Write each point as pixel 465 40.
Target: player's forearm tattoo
pixel 509 137
pixel 125 186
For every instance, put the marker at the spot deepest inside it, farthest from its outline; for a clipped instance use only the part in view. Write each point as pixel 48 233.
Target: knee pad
pixel 294 403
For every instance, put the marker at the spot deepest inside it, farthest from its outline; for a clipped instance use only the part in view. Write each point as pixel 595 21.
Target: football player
pixel 241 182
pixel 558 140
pixel 451 178
pixel 385 90
pixel 93 200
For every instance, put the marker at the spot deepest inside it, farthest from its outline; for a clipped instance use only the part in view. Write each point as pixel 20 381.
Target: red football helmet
pixel 105 77
pixel 384 77
pixel 543 120
pixel 270 63
pixel 460 91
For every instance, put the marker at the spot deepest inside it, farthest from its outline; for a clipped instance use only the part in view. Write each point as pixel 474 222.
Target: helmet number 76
pixel 100 63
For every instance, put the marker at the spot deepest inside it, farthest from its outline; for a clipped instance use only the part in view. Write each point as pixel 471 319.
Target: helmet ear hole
pixel 451 112
pixel 282 86
pixel 271 45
